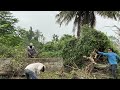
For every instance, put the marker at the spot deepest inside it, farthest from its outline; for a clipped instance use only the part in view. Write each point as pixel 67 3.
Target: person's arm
pixel 28 50
pixel 102 53
pixel 35 51
pixel 38 71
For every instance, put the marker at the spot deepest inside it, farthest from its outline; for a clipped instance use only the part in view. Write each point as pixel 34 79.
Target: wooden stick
pixel 71 67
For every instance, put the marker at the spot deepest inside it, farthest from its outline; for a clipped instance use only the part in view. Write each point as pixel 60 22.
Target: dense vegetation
pixel 91 39
pixel 14 41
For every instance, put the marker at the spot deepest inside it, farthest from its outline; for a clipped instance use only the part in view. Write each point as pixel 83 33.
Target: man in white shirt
pixel 34 69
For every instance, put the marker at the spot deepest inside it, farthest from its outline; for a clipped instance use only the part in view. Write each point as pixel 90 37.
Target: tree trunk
pixel 78 29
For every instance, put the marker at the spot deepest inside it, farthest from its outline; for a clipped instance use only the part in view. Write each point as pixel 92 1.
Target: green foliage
pixel 54 48
pixel 7 22
pixel 3 50
pixel 10 40
pixel 30 34
pixel 64 40
pixel 90 39
pixel 51 49
pixel 55 37
pixel 18 61
pixel 69 51
pixel 14 41
pixel 49 54
pixel 11 52
pixel 48 46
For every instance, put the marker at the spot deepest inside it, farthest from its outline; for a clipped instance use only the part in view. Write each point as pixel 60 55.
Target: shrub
pixel 90 39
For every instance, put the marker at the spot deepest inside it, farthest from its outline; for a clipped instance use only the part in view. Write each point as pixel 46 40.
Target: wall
pixel 52 64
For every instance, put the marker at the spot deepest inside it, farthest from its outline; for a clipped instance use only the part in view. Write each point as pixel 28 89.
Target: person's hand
pixel 94 63
pixel 96 51
pixel 29 53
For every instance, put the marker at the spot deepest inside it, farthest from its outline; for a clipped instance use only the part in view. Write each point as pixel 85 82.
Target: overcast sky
pixel 45 22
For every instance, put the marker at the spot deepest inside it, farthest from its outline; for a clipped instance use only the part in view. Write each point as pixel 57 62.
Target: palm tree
pixel 84 17
pixel 37 35
pixel 42 38
pixel 55 37
pixel 30 34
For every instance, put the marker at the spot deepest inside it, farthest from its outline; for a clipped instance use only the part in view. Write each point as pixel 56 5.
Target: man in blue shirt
pixel 112 59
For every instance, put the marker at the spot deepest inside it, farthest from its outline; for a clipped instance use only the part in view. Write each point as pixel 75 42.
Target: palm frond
pixel 109 14
pixel 65 16
pixel 75 23
pixel 84 17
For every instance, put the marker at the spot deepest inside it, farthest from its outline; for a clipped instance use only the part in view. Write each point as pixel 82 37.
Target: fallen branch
pixel 92 62
pixel 75 65
pixel 72 67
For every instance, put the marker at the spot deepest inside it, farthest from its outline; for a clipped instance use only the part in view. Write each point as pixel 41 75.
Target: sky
pixel 45 22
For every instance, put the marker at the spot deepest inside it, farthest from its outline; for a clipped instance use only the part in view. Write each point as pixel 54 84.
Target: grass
pixel 99 74
pixel 79 73
pixel 54 75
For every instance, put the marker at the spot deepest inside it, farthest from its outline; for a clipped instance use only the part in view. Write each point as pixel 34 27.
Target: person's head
pixel 110 50
pixel 31 44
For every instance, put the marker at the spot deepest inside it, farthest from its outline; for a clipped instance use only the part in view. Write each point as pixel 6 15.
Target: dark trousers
pixel 30 74
pixel 113 69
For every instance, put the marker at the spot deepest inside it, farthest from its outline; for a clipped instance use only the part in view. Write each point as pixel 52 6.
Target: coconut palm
pixel 55 37
pixel 37 35
pixel 84 17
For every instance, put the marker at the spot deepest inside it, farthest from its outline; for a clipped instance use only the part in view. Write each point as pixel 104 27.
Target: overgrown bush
pixel 50 54
pixel 17 62
pixel 90 39
pixel 54 48
pixel 69 51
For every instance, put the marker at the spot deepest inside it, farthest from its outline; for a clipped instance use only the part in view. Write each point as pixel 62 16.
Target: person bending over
pixel 33 70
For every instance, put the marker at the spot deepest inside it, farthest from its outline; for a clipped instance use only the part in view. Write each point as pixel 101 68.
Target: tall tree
pixel 84 17
pixel 21 32
pixel 37 35
pixel 7 22
pixel 42 38
pixel 30 34
pixel 55 37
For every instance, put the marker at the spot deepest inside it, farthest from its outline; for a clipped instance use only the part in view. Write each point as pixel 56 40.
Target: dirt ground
pixel 99 74
pixel 57 75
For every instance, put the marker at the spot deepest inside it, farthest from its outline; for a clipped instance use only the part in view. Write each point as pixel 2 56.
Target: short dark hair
pixel 111 49
pixel 43 69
